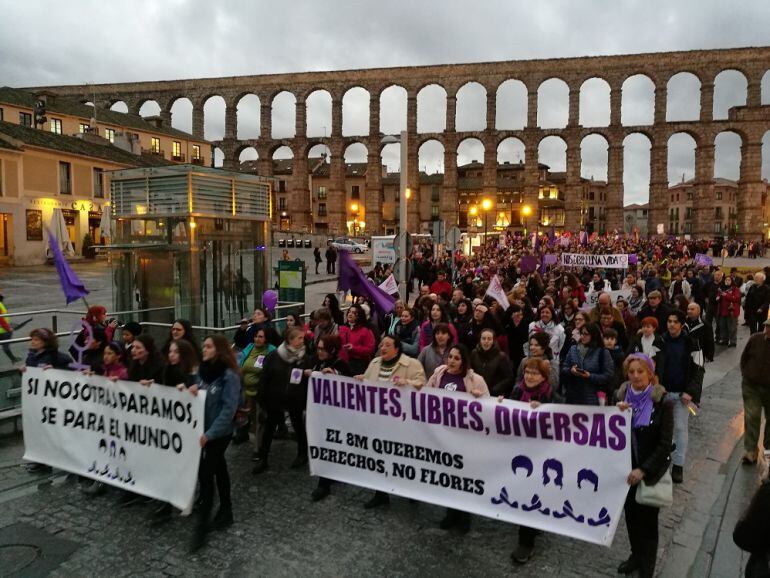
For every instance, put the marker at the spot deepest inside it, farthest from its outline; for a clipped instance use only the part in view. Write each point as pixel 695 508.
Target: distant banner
pixel 592 298
pixel 141 439
pixel 389 285
pixel 594 261
pixel 702 260
pixel 557 468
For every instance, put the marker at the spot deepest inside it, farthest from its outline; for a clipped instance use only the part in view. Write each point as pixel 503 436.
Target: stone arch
pixel 511 150
pixel 283 107
pixel 431 108
pixel 637 101
pixel 766 156
pixel 248 108
pixel 727 155
pixel 150 107
pixel 355 112
pixel 319 113
pixel 552 103
pixel 390 156
pixel 471 112
pixel 430 157
pixel 316 150
pixel 393 109
pixel 730 89
pixel 181 109
pixel 594 149
pixel 470 150
pixel 281 150
pixel 119 106
pixel 552 151
pixel 637 148
pixel 765 87
pixel 356 152
pixel 594 102
pixel 511 105
pixel 214 108
pixel 219 157
pixel 683 97
pixel 681 157
pixel 245 154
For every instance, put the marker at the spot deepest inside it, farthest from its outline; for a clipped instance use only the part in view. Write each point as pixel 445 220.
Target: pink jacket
pixel 362 340
pixel 472 380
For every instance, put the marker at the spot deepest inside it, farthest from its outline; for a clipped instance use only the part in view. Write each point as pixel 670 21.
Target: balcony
pixel 156 152
pixel 180 158
pixel 197 161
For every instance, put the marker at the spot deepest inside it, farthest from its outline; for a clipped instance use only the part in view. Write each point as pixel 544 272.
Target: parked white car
pixel 346 244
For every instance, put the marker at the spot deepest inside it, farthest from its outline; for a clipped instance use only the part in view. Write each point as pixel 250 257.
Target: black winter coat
pixel 274 390
pixel 756 304
pixel 750 533
pixel 52 357
pixel 495 367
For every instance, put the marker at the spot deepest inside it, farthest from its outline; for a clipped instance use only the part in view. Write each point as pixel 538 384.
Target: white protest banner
pixel 389 285
pixel 557 468
pixel 594 261
pixel 592 298
pixel 121 433
pixel 383 250
pixel 496 292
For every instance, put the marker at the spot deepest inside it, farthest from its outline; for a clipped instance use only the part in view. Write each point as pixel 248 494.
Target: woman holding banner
pixel 220 379
pixel 652 430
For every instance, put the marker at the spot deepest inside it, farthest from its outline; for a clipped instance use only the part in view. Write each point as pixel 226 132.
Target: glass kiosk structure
pixel 190 237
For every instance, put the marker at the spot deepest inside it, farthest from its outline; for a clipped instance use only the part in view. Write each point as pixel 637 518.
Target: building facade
pixel 635 219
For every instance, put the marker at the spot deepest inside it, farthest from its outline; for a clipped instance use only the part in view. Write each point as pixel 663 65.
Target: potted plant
pixel 88 247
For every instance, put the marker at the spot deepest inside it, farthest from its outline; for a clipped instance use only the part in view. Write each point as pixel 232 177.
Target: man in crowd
pixel 655 308
pixel 755 387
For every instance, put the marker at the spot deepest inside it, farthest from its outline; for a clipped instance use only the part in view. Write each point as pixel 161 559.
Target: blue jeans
pixel 681 415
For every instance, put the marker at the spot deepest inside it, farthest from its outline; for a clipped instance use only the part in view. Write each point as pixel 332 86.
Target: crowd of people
pixel 638 338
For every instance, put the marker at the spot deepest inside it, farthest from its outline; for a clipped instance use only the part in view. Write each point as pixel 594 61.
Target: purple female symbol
pixel 75 330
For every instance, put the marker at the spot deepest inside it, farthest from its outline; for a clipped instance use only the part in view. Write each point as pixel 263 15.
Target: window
pixel 282 203
pixel 689 195
pixel 434 212
pixel 719 195
pixel 321 209
pixel 155 145
pixel 717 227
pixel 355 192
pixel 1 114
pixel 109 134
pixel 65 178
pixel 688 213
pixel 717 212
pixel 591 196
pixel 83 127
pixel 196 152
pixel 98 183
pixel 281 186
pixel 56 125
pixel 25 119
pixel 434 194
pixel 176 150
pixel 321 193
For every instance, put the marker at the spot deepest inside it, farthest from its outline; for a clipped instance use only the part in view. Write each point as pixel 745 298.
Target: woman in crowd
pixel 437 315
pixel 181 329
pixel 408 331
pixel 181 364
pixel 333 305
pixel 392 319
pixel 251 361
pixel 96 318
pixel 578 289
pixel 482 319
pixel 652 430
pixel 540 348
pixel 607 321
pixel 463 316
pixel 587 369
pixel 517 329
pixel 546 323
pixel 630 320
pixel 394 367
pixel 436 353
pixel 457 375
pixel 128 333
pixel 534 388
pixel 220 378
pixel 571 338
pixel 728 310
pixel 567 316
pixel 636 301
pixel 283 387
pixel 650 343
pixel 113 366
pixel 145 365
pixel 326 360
pixel 358 341
pixel 492 364
pixel 260 319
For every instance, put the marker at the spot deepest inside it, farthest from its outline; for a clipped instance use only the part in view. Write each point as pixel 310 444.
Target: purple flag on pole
pixel 353 279
pixel 633 258
pixel 528 263
pixel 72 286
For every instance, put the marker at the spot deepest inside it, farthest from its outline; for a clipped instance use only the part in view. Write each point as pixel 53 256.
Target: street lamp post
pixel 486 204
pixel 526 211
pixel 354 211
pixel 403 196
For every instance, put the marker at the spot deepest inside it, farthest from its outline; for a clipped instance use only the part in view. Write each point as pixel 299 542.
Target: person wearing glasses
pixel 587 370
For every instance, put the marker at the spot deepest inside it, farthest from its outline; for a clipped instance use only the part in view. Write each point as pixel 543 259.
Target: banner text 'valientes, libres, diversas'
pixel 141 439
pixel 558 468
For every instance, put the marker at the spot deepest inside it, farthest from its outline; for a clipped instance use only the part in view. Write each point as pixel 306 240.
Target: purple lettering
pixel 545 425
pixel 434 410
pixel 475 414
pixel 448 407
pixel 598 431
pixel 529 423
pixel 561 431
pixel 616 424
pixel 502 425
pixel 395 401
pixel 580 436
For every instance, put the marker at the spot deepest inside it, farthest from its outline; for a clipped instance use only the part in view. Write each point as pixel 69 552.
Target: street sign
pixel 452 238
pixel 438 232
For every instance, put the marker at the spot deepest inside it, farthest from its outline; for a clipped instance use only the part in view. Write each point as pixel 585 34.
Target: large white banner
pixel 141 439
pixel 619 261
pixel 558 468
pixel 592 298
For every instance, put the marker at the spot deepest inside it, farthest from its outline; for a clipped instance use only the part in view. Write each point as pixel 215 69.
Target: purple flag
pixel 528 263
pixel 353 279
pixel 72 286
pixel 633 259
pixel 552 237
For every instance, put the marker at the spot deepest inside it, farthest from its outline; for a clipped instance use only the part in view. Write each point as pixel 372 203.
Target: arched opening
pixel 730 89
pixel 149 108
pixel 552 151
pixel 430 157
pixel 637 106
pixel 319 153
pixel 553 104
pixel 248 154
pixel 431 109
pixel 283 115
pixel 681 158
pixel 511 105
pixel 393 110
pixel 319 114
pixel 470 150
pixel 248 111
pixel 636 175
pixel 219 157
pixel 214 118
pixel 471 112
pixel 594 103
pixel 390 156
pixel 593 157
pixel 356 153
pixel 511 151
pixel 119 106
pixel 727 156
pixel 683 97
pixel 283 170
pixel 355 112
pixel 765 88
pixel 766 157
pixel 181 114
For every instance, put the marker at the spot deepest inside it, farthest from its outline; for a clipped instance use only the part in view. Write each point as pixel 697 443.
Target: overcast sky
pixel 53 42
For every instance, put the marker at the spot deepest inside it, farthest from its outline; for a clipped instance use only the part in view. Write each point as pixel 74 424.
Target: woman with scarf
pixel 436 315
pixel 587 370
pixel 220 378
pixel 251 361
pixel 358 341
pixel 392 318
pixel 533 388
pixel 650 343
pixel 436 353
pixel 457 375
pixel 408 331
pixel 728 310
pixel 283 387
pixel 636 301
pixel 546 323
pixel 540 348
pixel 652 430
pixel 492 364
